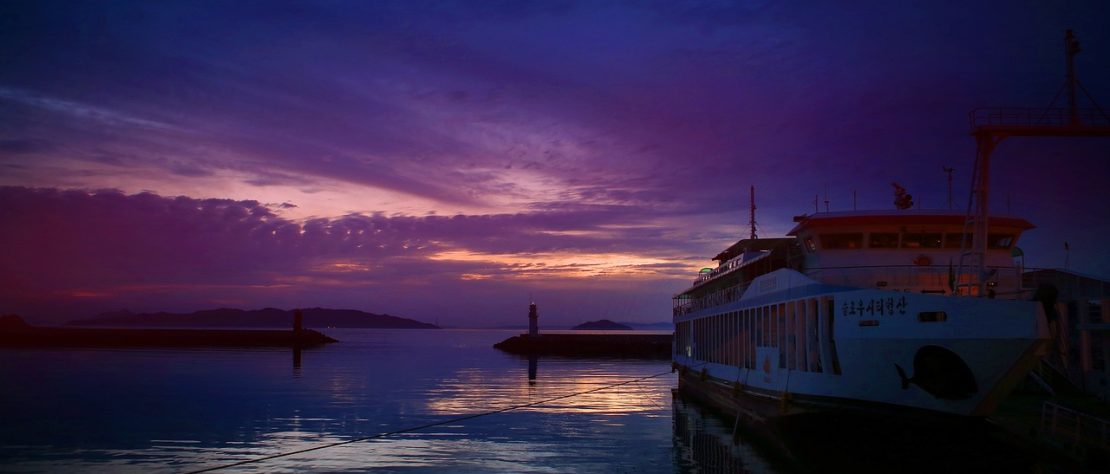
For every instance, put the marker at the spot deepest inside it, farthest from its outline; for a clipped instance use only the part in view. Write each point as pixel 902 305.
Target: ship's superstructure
pixel 906 308
pixel 863 308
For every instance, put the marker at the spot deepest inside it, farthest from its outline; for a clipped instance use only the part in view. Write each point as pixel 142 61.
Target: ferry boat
pixel 869 309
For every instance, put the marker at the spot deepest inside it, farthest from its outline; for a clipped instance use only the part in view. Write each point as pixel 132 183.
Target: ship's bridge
pixel 909 250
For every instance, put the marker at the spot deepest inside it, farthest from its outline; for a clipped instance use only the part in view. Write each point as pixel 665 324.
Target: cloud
pixel 80 111
pixel 114 249
pixel 403 130
pixel 653 105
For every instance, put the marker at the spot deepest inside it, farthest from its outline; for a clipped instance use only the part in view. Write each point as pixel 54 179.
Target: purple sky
pixel 445 160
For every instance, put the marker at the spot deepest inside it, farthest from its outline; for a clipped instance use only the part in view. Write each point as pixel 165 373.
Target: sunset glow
pixel 183 155
pixel 561 265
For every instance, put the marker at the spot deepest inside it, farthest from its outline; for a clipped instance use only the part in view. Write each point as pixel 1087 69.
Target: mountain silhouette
pixel 258 318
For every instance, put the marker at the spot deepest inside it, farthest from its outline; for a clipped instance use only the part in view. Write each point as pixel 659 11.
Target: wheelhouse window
pixel 883 240
pixel 952 241
pixel 920 240
pixel 1000 241
pixel 842 241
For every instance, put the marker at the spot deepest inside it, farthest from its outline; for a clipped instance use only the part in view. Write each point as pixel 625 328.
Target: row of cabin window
pixel 732 338
pixel 909 240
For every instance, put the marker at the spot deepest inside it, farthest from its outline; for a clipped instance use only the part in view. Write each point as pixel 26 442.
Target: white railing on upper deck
pixel 917 278
pixel 724 268
pixel 684 306
pixel 732 264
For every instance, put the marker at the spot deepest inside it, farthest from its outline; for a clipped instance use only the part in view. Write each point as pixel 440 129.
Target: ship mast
pixel 990 127
pixel 949 171
pixel 751 219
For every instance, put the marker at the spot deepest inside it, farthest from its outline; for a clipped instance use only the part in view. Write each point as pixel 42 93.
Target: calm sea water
pixel 179 410
pixel 182 410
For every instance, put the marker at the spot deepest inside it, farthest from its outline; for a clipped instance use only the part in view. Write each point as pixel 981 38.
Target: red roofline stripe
pixel 908 219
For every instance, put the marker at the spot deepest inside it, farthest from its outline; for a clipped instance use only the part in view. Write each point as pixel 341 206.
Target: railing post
pixel 1078 430
pixel 1045 421
pixel 1055 417
pixel 1044 417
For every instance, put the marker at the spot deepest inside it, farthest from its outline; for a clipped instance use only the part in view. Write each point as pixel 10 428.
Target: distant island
pixel 603 324
pixel 259 318
pixel 14 332
pixel 12 321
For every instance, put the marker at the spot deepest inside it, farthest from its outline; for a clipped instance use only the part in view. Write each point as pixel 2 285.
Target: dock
pixel 15 334
pixel 649 346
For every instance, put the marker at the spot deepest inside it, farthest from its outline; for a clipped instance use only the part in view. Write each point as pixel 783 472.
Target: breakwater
pixel 651 346
pixel 31 336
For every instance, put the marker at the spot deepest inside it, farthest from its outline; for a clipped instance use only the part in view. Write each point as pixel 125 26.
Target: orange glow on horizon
pixel 556 264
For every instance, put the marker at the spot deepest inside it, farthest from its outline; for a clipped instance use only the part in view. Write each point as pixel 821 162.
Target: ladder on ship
pixel 990 126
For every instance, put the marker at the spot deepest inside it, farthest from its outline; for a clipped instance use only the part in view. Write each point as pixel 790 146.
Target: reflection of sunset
pixel 475 391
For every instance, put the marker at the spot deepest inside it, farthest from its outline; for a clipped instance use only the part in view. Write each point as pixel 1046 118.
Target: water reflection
pixel 178 410
pixel 173 410
pixel 704 443
pixel 474 390
pixel 875 443
pixel 829 441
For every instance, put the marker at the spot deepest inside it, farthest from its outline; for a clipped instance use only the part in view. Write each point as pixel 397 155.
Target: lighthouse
pixel 533 317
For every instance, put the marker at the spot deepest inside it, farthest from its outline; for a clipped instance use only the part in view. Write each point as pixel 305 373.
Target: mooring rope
pixel 424 426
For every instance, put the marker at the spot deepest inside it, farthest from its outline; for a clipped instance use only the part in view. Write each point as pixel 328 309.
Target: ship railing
pixel 1074 429
pixel 940 279
pixel 1032 116
pixel 684 306
pixel 725 267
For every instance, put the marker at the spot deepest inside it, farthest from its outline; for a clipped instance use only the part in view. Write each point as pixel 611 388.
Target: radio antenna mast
pixel 949 172
pixel 751 219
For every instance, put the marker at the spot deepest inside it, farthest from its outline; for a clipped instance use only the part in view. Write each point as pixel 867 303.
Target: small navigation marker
pixel 533 317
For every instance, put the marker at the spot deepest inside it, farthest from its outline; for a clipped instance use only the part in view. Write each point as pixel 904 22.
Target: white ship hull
pixel 793 339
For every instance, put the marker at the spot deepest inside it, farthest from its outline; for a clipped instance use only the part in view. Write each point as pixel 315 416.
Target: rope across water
pixel 424 426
